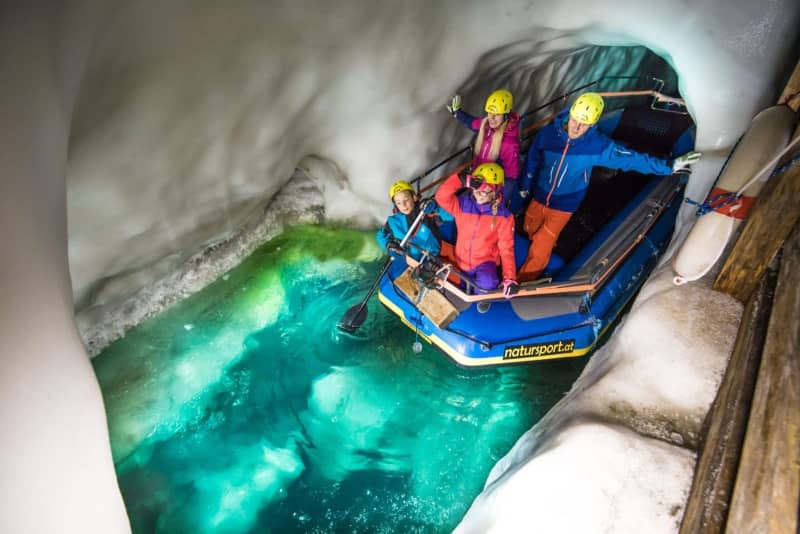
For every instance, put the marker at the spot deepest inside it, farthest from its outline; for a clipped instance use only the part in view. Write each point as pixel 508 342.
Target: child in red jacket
pixel 485 227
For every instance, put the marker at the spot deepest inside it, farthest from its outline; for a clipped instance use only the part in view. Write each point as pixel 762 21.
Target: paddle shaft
pixel 373 288
pixel 377 281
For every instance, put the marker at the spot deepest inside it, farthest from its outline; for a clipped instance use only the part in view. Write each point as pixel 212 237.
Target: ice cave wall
pixel 190 114
pixel 193 115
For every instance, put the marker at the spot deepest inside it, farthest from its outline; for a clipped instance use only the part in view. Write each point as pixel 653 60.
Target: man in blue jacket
pixel 558 170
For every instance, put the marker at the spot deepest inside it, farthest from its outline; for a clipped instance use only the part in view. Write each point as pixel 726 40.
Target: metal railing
pixel 578 284
pixel 528 130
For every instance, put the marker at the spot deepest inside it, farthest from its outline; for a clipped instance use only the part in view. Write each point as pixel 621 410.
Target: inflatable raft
pixel 603 256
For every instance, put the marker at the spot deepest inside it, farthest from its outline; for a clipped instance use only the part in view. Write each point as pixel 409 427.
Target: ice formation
pixel 621 441
pixel 184 119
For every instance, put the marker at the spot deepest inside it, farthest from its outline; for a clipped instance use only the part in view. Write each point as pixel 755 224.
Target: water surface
pixel 243 409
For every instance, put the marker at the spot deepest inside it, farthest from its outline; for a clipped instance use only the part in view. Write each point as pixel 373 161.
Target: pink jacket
pixel 509 146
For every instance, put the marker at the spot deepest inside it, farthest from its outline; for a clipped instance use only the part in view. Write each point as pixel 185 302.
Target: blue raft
pixel 565 314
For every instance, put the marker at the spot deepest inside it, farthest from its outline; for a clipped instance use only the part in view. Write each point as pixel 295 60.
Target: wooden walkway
pixel 747 478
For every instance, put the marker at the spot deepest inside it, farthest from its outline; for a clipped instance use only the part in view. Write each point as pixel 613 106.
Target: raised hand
pixel 455 105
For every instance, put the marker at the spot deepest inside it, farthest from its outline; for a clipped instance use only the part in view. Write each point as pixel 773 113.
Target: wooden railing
pixel 747 478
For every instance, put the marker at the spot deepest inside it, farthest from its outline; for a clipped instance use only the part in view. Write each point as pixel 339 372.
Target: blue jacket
pixel 558 168
pixel 424 238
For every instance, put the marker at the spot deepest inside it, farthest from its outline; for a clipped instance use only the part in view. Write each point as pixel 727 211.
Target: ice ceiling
pixel 180 119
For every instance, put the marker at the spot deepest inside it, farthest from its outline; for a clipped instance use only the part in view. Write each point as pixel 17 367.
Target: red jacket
pixel 482 236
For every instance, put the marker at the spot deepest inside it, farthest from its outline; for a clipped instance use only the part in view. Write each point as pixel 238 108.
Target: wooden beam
pixel 767 490
pixel 775 213
pixel 725 424
pixel 791 93
pixel 793 152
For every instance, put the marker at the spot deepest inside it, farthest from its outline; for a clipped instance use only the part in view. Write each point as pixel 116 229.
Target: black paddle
pixel 356 315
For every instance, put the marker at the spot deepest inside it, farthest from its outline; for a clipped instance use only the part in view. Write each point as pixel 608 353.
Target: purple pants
pixel 485 275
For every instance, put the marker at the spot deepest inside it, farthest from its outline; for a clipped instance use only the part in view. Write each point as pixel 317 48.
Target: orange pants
pixel 543 226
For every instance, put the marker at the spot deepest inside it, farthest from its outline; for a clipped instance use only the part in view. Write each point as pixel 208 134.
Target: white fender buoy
pixel 767 136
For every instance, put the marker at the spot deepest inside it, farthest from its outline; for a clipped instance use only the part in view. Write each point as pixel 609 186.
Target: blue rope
pixel 724 199
pixel 714 203
pixel 728 198
pixel 416 347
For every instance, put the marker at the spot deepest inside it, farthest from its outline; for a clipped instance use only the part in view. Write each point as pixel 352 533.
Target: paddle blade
pixel 353 318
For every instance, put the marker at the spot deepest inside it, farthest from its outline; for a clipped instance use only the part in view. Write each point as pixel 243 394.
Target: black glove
pixel 463 177
pixel 393 247
pixel 426 205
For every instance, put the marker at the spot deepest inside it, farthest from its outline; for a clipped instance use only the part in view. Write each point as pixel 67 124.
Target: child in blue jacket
pixel 558 170
pixel 426 237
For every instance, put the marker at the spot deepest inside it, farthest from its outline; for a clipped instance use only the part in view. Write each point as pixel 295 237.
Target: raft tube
pixel 552 321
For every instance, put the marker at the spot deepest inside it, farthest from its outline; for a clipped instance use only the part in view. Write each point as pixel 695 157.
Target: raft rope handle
pixel 417 346
pixel 424 288
pixel 528 130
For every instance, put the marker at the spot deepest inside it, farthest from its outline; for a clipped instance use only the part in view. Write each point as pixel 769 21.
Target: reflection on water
pixel 243 409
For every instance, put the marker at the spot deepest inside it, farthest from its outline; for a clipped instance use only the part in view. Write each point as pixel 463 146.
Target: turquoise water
pixel 243 409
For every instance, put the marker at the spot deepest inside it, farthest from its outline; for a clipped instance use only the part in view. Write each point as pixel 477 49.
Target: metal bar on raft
pixel 580 284
pixel 447 159
pixel 533 127
pixel 525 115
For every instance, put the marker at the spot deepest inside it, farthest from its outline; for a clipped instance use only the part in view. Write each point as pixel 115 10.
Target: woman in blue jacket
pixel 558 170
pixel 426 237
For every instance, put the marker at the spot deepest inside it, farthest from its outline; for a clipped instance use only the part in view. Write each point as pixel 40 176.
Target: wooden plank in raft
pixel 433 304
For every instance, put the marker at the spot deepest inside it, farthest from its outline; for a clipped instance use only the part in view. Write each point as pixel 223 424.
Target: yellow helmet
pixel 499 102
pixel 492 173
pixel 401 185
pixel 587 108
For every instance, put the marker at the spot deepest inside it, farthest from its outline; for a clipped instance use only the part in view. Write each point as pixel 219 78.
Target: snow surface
pixel 616 454
pixel 192 115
